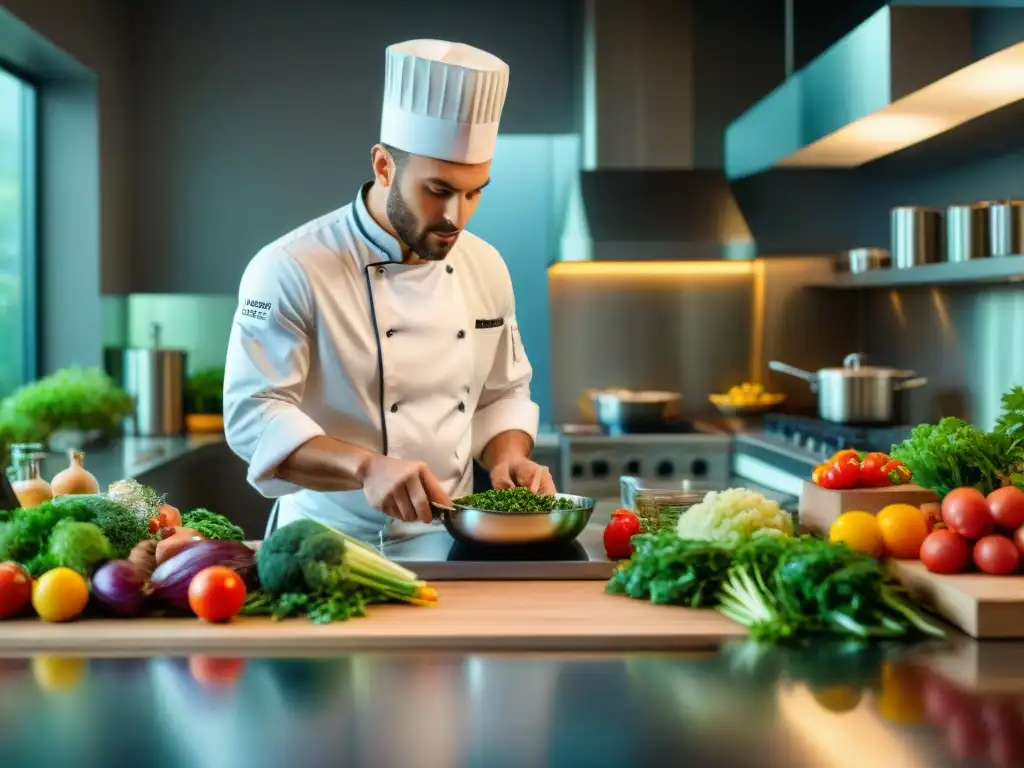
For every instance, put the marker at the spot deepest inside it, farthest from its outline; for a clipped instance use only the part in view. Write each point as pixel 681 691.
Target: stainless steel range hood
pixel 904 75
pixel 638 197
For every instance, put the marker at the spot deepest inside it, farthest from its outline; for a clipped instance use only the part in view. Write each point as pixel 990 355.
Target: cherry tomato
pixel 965 511
pixel 841 475
pixel 996 555
pixel 1018 539
pixel 945 552
pixel 216 593
pixel 871 473
pixel 15 589
pixel 932 512
pixel 1006 505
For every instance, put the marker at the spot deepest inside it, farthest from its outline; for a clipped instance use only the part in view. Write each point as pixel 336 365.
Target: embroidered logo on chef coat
pixel 255 309
pixel 495 323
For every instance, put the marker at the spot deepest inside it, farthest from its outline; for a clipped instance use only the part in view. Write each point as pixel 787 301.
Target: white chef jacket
pixel 334 335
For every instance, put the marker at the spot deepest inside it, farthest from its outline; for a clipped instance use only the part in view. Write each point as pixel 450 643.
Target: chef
pixel 375 351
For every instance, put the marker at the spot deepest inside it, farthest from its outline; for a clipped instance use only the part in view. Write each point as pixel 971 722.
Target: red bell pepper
pixel 897 472
pixel 623 526
pixel 872 470
pixel 846 453
pixel 841 475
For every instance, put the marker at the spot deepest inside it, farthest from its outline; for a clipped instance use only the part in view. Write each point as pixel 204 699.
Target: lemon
pixel 60 594
pixel 860 531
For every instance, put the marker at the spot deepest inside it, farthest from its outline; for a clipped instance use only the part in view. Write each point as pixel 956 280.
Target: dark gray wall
pixel 257 115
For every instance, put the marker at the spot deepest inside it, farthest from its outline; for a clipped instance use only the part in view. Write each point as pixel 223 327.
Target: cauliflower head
pixel 733 515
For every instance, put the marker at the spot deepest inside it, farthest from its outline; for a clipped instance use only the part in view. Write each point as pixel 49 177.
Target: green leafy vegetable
pixel 81 546
pixel 954 454
pixel 212 525
pixel 667 569
pixel 123 525
pixel 340 603
pixel 514 500
pixel 130 492
pixel 780 588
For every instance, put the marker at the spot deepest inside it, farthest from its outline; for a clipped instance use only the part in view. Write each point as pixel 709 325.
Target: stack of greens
pixel 308 569
pixel 955 454
pixel 779 587
pixel 514 500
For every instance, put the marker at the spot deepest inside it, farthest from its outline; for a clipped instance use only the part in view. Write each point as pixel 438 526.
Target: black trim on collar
pixel 380 356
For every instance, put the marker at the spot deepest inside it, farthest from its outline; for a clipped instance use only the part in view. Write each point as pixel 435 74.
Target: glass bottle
pixel 29 486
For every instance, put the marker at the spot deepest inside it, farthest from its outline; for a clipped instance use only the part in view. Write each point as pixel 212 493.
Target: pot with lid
pixel 857 393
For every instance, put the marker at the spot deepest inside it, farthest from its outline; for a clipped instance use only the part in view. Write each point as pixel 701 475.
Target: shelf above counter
pixel 1002 269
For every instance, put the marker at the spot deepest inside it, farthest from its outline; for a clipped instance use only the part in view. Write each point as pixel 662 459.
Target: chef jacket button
pixel 394 407
pixel 390 332
pixel 449 269
pixel 462 407
pixel 462 334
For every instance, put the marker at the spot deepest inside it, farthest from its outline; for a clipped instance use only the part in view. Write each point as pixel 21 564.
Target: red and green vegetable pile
pixel 854 469
pixel 127 553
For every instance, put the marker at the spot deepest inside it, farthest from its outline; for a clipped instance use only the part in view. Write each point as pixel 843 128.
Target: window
pixel 17 233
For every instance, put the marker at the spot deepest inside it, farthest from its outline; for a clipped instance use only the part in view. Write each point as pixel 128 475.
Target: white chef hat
pixel 443 100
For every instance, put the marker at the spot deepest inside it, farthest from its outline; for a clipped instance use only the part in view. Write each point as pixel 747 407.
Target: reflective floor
pixel 741 706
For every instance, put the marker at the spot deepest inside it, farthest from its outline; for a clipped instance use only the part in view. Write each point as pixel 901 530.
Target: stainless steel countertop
pixel 742 705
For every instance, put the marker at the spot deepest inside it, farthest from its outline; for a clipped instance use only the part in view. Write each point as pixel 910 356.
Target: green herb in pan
pixel 514 500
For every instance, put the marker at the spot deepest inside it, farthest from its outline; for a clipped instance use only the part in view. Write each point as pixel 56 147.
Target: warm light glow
pixel 968 93
pixel 849 739
pixel 620 270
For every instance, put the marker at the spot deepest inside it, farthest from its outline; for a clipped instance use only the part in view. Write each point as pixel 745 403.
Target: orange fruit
pixel 860 532
pixel 904 530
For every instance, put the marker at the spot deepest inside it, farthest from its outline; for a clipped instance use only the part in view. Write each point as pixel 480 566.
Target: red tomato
pixel 945 552
pixel 216 593
pixel 1006 505
pixel 965 511
pixel 1018 539
pixel 996 555
pixel 932 512
pixel 619 533
pixel 15 589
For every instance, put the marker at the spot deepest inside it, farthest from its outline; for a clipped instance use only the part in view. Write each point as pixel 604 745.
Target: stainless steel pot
pixel 857 393
pixel 1006 227
pixel 967 232
pixel 859 260
pixel 618 411
pixel 155 378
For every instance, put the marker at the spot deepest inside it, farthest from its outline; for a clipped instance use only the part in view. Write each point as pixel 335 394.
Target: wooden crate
pixel 819 507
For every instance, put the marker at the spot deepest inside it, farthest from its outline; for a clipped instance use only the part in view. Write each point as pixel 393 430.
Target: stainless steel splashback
pixel 695 328
pixel 968 342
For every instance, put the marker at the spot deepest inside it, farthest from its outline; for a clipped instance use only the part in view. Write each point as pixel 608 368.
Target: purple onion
pixel 120 588
pixel 171 579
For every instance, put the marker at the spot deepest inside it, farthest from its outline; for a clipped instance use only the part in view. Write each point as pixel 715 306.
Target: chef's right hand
pixel 402 489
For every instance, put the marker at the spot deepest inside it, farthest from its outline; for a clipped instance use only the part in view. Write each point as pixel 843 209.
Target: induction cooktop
pixel 437 556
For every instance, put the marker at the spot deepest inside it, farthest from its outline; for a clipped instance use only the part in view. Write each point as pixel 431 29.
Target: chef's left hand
pixel 521 471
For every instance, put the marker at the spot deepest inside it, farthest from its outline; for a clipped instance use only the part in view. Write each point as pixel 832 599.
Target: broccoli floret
pixel 277 560
pixel 81 546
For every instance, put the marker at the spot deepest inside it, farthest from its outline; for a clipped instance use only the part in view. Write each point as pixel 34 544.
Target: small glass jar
pixel 660 510
pixel 29 486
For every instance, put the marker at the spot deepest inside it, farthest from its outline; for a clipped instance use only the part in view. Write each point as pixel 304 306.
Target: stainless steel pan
pixel 857 393
pixel 487 527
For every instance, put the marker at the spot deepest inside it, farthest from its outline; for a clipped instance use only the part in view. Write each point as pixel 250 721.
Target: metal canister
pixel 858 260
pixel 155 378
pixel 967 232
pixel 1006 227
pixel 916 236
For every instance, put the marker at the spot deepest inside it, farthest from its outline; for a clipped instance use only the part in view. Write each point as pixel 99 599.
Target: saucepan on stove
pixel 619 411
pixel 857 393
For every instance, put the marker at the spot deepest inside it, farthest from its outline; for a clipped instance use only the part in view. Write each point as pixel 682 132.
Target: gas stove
pixel 823 438
pixel 592 462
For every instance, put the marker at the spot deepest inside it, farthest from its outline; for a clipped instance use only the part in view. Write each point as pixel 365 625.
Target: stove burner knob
pixel 665 469
pixel 699 468
pixel 577 470
pixel 599 468
pixel 633 467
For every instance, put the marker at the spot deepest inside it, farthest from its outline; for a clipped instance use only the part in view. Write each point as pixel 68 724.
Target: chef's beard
pixel 410 232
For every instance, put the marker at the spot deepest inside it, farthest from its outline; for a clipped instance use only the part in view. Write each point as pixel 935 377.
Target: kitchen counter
pixel 130 456
pixel 740 705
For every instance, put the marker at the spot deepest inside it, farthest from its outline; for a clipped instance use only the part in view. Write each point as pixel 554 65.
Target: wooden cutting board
pixel 819 507
pixel 474 616
pixel 983 606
